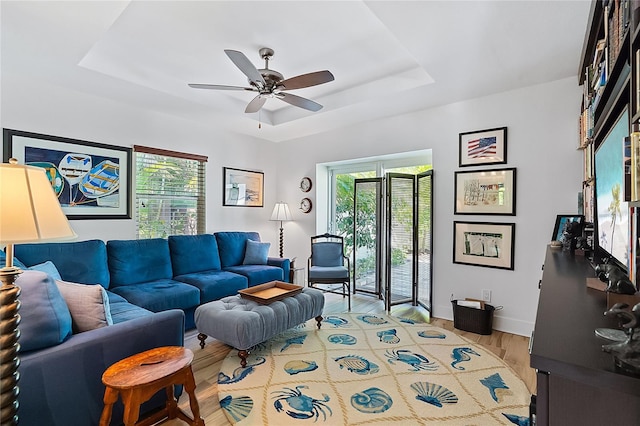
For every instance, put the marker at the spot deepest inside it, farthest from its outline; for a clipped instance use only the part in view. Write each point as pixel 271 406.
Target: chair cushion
pixel 160 295
pixel 88 305
pixel 328 272
pixel 138 261
pixel 82 262
pixel 256 253
pixel 193 253
pixel 215 285
pixel 231 246
pixel 44 317
pixel 48 268
pixel 326 254
pixel 122 311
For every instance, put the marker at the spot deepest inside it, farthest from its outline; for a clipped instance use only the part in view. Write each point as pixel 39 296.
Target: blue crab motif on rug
pixel 371 369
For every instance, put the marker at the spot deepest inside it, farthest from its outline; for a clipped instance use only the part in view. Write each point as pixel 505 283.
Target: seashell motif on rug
pixel 374 370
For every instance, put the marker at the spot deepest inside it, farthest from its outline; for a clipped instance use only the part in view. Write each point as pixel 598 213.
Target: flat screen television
pixel 612 211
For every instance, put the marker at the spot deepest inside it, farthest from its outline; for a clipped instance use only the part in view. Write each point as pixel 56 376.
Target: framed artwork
pixel 242 188
pixel 483 147
pixel 91 180
pixel 561 221
pixel 488 192
pixel 485 244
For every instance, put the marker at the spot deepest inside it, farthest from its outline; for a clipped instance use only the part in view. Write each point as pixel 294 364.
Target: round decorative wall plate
pixel 306 205
pixel 305 184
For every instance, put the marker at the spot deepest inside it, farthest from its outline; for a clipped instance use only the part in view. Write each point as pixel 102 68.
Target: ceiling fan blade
pixel 221 87
pixel 245 65
pixel 307 80
pixel 299 101
pixel 255 104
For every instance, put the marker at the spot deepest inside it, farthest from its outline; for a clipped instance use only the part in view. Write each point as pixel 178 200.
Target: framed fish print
pixel 242 188
pixel 483 147
pixel 92 180
pixel 485 244
pixel 487 192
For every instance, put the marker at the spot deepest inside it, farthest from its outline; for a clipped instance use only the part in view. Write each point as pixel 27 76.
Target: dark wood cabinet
pixel 577 383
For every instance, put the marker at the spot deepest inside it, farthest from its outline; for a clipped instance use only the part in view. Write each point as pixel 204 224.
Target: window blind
pixel 170 193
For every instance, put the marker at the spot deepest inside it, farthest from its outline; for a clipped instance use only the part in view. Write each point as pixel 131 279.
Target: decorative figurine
pixel 570 234
pixel 626 354
pixel 617 281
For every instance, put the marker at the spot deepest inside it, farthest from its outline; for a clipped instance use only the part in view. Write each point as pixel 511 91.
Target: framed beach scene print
pixel 485 244
pixel 243 188
pixel 91 180
pixel 483 147
pixel 488 192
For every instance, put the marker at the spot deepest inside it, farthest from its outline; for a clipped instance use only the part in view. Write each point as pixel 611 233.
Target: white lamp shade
pixel 281 212
pixel 29 208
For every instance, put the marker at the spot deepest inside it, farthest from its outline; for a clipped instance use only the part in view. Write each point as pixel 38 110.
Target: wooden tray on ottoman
pixel 270 292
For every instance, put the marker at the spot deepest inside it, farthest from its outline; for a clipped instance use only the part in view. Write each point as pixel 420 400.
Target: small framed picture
pixel 485 244
pixel 561 221
pixel 488 192
pixel 483 147
pixel 243 188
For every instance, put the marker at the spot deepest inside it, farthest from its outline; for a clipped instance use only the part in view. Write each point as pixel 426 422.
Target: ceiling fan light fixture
pixel 270 83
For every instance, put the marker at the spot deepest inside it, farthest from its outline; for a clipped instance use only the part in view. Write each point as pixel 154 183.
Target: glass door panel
pixel 425 238
pixel 367 235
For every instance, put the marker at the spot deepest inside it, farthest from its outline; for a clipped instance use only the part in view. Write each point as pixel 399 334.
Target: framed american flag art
pixel 483 147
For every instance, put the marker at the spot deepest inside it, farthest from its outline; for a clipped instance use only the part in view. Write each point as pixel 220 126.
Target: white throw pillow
pixel 88 304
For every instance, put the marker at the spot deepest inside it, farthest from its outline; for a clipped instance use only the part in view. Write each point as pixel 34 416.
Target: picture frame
pixel 92 180
pixel 483 147
pixel 486 244
pixel 486 192
pixel 242 188
pixel 561 220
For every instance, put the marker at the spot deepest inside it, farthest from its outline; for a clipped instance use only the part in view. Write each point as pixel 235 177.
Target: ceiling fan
pixel 270 83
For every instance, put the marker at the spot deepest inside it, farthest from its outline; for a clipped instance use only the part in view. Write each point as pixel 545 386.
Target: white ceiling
pixel 388 57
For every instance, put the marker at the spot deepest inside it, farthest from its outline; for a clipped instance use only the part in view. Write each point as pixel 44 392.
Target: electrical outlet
pixel 486 295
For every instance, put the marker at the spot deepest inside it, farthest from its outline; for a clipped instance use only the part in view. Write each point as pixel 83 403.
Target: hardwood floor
pixel 513 349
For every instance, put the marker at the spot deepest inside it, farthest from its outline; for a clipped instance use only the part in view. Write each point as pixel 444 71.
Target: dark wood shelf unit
pixel 577 382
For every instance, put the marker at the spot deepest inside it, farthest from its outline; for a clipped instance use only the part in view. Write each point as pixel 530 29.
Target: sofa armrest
pixel 280 262
pixel 62 385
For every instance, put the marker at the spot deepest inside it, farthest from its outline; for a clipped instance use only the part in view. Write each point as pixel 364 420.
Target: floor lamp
pixel 281 212
pixel 29 212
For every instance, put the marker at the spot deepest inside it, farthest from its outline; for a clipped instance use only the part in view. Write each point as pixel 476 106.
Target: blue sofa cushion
pixel 48 268
pixel 258 274
pixel 16 262
pixel 193 253
pixel 122 311
pixel 160 295
pixel 231 246
pixel 45 319
pixel 256 253
pixel 215 285
pixel 82 262
pixel 138 261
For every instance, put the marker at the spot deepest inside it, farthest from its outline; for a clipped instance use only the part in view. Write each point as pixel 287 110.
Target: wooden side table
pixel 140 376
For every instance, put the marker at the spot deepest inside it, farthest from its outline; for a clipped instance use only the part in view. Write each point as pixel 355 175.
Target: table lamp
pixel 281 212
pixel 29 212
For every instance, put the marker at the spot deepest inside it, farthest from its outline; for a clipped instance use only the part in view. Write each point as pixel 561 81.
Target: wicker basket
pixel 478 321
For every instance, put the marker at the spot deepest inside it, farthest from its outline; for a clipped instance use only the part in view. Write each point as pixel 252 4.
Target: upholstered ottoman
pixel 243 323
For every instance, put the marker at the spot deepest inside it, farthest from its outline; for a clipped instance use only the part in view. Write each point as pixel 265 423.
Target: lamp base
pixel 9 346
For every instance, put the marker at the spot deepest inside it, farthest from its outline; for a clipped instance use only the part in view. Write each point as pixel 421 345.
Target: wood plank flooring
pixel 513 349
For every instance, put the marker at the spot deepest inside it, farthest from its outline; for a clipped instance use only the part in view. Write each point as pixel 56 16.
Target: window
pixel 170 193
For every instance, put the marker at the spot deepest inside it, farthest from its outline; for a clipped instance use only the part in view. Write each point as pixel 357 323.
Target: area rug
pixel 363 369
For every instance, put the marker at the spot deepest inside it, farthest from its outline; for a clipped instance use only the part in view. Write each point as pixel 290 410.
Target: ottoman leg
pixel 202 337
pixel 319 320
pixel 243 357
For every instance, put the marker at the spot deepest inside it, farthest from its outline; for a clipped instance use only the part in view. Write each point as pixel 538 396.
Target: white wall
pixel 542 141
pixel 542 136
pixel 35 106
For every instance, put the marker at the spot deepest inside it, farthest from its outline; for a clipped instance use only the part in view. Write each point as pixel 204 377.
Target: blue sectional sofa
pixel 152 288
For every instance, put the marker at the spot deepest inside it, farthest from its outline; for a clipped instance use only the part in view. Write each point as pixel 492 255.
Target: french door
pixel 393 238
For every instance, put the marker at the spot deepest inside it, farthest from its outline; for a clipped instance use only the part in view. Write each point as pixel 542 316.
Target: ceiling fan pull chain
pixel 260 119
